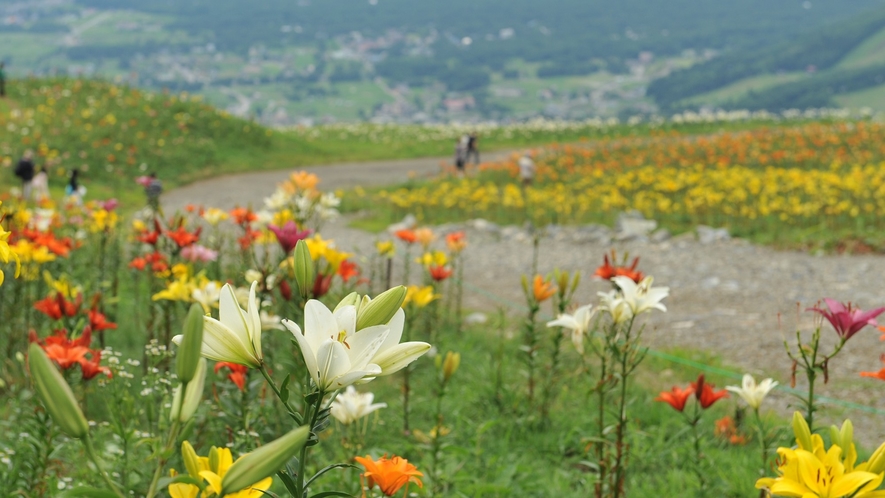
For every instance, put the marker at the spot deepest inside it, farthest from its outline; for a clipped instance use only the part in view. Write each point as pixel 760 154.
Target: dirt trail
pixel 735 299
pixel 228 191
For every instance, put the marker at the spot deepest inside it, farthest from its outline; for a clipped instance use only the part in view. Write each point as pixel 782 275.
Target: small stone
pixel 408 223
pixel 476 318
pixel 660 235
pixel 632 226
pixel 485 225
pixel 709 235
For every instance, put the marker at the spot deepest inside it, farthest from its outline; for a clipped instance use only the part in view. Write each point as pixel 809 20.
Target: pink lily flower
pixel 195 252
pixel 845 320
pixel 288 235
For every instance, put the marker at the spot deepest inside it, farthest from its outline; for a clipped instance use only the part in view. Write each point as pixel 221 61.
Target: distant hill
pixel 814 69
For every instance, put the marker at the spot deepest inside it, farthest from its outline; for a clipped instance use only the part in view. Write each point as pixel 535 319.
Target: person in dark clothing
pixel 25 171
pixel 472 148
pixel 152 189
pixel 2 81
pixel 73 189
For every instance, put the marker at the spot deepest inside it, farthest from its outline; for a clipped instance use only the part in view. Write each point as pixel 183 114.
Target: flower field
pixel 243 353
pixel 823 176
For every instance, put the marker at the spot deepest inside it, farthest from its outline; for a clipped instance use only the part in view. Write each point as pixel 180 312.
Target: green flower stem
pixel 311 414
pixel 694 421
pixel 292 413
pixel 90 452
pixel 169 447
pixel 763 438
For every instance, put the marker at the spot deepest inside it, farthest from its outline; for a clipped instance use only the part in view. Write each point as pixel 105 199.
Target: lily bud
pixel 450 365
pixel 349 300
pixel 214 458
pixel 263 462
pixel 876 463
pixel 192 395
pixel 525 285
pixel 305 274
pixel 189 349
pixel 191 460
pixel 380 310
pixel 802 432
pixel 56 394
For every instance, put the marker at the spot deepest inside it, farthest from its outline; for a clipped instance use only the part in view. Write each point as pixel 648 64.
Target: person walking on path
pixel 2 81
pixel 74 191
pixel 460 155
pixel 153 187
pixel 40 185
pixel 526 169
pixel 25 171
pixel 473 148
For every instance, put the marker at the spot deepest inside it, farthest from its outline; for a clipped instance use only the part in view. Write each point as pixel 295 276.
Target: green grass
pixel 871 51
pixel 873 98
pixel 742 88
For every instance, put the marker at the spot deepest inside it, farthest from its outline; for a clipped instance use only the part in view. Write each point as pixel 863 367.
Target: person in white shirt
pixel 526 169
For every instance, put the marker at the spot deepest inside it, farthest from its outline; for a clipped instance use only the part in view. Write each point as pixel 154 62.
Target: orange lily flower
pixel 243 216
pixel 608 271
pixel 182 237
pixel 876 375
pixel 676 397
pixel 542 289
pixel 406 235
pixel 91 368
pixel 456 242
pixel 439 273
pixel 389 474
pixel 63 351
pixel 705 394
pixel 57 306
pixel 97 320
pixel 348 270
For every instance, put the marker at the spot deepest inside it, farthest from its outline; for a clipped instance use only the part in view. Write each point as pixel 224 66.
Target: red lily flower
pixel 237 373
pixel 845 320
pixel 676 397
pixel 246 240
pixel 91 368
pixel 705 394
pixel 64 352
pixel 288 235
pixel 243 216
pixel 97 320
pixel 182 237
pixel 138 264
pixel 321 285
pixel 57 306
pixel 607 271
pixel 348 270
pixel 59 247
pixel 439 273
pixel 285 290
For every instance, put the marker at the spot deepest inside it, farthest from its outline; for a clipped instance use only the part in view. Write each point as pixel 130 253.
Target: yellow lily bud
pixel 305 273
pixel 189 349
pixel 192 395
pixel 263 462
pixel 385 248
pixel 802 432
pixel 191 460
pixel 56 394
pixel 381 309
pixel 876 463
pixel 214 458
pixel 450 365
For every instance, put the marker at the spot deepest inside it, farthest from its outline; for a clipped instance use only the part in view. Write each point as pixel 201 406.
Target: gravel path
pixel 730 297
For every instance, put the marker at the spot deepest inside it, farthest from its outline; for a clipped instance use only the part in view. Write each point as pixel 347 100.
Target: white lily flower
pixel 236 336
pixel 752 393
pixel 617 307
pixel 352 405
pixel 642 297
pixel 270 321
pixel 393 356
pixel 278 200
pixel 578 323
pixel 208 295
pixel 336 354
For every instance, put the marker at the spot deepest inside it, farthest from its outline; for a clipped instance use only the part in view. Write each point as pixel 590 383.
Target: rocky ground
pixel 727 296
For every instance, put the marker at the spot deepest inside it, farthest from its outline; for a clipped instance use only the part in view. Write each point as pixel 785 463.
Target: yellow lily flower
pixel 317 246
pixel 62 286
pixel 6 254
pixel 385 248
pixel 181 289
pixel 219 463
pixel 334 257
pixel 433 258
pixel 419 296
pixel 214 216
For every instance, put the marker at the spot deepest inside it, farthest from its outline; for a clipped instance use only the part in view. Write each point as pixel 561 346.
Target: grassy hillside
pixel 809 71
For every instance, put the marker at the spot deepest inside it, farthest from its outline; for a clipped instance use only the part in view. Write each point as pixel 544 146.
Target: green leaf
pixel 328 468
pixel 324 494
pixel 89 492
pixel 289 482
pixel 284 389
pixel 181 479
